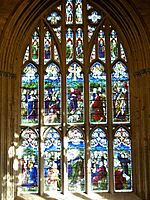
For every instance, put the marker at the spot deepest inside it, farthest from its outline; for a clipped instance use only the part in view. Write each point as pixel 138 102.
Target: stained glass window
pixel 99 160
pixel 97 94
pixel 122 161
pixel 120 93
pixel 29 161
pixel 29 95
pixel 75 158
pixel 75 102
pixel 52 99
pixel 52 161
pixel 75 93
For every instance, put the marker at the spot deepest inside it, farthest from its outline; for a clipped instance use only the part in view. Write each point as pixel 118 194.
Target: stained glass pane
pixel 26 55
pixel 113 46
pixel 58 32
pixel 101 41
pixel 75 103
pixel 52 163
pixel 53 18
pixel 78 8
pixel 91 30
pixel 94 17
pixel 52 97
pixel 122 161
pixel 29 161
pixel 79 44
pixel 69 45
pixel 56 55
pixel 122 53
pixel 97 94
pixel 99 160
pixel 30 96
pixel 120 93
pixel 47 47
pixel 69 12
pixel 35 47
pixel 75 156
pixel 93 53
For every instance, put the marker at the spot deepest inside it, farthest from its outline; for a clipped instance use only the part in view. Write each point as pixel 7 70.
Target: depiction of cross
pixel 75 71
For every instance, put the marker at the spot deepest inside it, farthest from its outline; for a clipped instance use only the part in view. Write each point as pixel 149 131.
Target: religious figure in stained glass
pixel 29 106
pixel 122 161
pixel 99 160
pixel 79 44
pixel 52 157
pixel 120 93
pixel 75 93
pixel 78 8
pixel 75 158
pixel 69 45
pixel 47 47
pixel 35 47
pixel 69 12
pixel 52 97
pixel 97 94
pixel 101 40
pixel 29 161
pixel 113 45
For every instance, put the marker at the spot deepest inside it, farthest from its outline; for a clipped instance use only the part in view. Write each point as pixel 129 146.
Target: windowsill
pixel 80 196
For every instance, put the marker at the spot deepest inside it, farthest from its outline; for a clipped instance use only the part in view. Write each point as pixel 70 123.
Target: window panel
pixel 79 44
pixel 29 161
pixel 69 45
pixel 69 12
pixel 52 161
pixel 122 161
pixel 52 94
pixel 120 93
pixel 75 156
pixel 97 94
pixel 47 47
pixel 29 95
pixel 99 160
pixel 75 104
pixel 78 8
pixel 35 47
pixel 113 46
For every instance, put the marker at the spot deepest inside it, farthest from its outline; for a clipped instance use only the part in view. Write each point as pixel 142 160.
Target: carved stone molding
pixel 142 72
pixel 8 74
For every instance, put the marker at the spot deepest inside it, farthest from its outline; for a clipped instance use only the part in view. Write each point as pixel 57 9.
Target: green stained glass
pixel 75 156
pixel 35 47
pixel 79 44
pixel 75 94
pixel 101 41
pixel 69 45
pixel 29 161
pixel 113 46
pixel 99 160
pixel 122 161
pixel 78 8
pixel 97 94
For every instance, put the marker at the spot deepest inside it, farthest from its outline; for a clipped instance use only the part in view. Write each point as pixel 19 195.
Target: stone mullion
pixel 63 97
pixel 86 102
pixel 41 109
pixel 108 69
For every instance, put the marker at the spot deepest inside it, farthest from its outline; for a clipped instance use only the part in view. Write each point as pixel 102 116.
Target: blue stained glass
pixel 47 47
pixel 75 156
pixel 79 44
pixel 97 94
pixel 54 18
pixel 75 94
pixel 78 8
pixel 29 161
pixel 99 160
pixel 52 95
pixel 120 93
pixel 69 12
pixel 91 30
pixel 122 161
pixel 52 161
pixel 30 97
pixel 94 17
pixel 101 41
